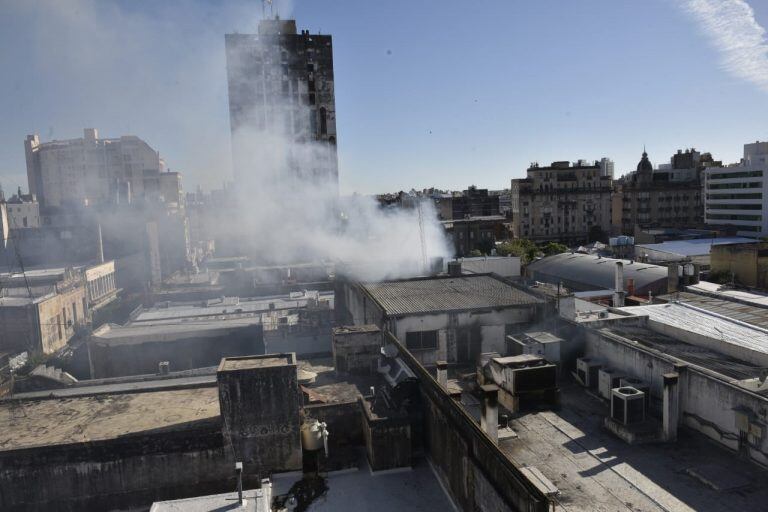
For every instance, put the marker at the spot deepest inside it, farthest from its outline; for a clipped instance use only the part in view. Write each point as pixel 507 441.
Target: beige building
pixel 91 171
pixel 742 264
pixel 42 323
pixel 562 202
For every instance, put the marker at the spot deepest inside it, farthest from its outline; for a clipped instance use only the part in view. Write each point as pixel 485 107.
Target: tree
pixel 551 248
pixel 520 247
pixel 474 253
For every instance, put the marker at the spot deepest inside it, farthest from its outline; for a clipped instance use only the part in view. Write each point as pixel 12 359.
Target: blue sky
pixel 429 93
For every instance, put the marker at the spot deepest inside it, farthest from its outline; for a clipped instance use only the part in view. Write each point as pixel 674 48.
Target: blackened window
pixel 421 340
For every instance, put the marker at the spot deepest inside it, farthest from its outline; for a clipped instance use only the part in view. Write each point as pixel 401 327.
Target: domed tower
pixel 644 169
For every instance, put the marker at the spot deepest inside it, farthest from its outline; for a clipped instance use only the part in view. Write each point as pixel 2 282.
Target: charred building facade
pixel 281 85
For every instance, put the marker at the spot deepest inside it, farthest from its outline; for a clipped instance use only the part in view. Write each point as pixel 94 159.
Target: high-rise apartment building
pixel 91 171
pixel 736 195
pixel 281 105
pixel 562 202
pixel 606 167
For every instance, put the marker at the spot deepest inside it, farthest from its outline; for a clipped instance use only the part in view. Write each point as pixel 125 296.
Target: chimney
pixel 442 374
pixel 454 268
pixel 99 244
pixel 671 407
pixel 239 472
pixel 489 421
pixel 618 294
pixel 630 287
pixel 672 277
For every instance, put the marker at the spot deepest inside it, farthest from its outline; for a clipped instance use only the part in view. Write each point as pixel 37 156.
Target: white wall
pixel 707 403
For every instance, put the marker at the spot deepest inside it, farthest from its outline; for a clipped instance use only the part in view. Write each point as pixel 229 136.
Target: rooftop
pixel 254 500
pixel 732 335
pixel 716 290
pixel 233 364
pixel 695 247
pixel 695 355
pixel 594 272
pixel 173 312
pixel 95 418
pixel 140 333
pixel 595 471
pixel 447 293
pixel 752 313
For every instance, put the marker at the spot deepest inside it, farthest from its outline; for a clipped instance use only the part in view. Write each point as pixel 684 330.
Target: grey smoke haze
pixel 110 60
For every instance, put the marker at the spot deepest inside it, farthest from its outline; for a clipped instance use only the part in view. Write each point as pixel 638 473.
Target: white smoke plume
pixel 734 31
pixel 287 216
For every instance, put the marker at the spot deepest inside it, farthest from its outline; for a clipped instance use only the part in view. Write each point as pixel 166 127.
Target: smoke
pixel 289 211
pixel 141 69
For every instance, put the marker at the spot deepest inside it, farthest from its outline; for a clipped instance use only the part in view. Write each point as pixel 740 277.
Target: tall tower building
pixel 281 107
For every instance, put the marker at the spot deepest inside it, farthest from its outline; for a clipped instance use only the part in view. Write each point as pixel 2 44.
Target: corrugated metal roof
pixel 447 294
pixel 755 315
pixel 594 273
pixel 696 247
pixel 703 323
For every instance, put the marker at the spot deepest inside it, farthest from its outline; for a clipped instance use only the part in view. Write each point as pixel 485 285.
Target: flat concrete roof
pixel 230 364
pixel 447 293
pixel 133 334
pixel 37 423
pixel 596 471
pixel 254 500
pixel 230 306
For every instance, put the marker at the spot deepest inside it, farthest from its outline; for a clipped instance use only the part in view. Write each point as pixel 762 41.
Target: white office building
pixel 736 195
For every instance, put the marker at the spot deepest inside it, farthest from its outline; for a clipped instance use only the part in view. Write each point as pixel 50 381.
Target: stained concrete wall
pixel 387 438
pixel 356 349
pixel 707 399
pixel 260 406
pixel 121 473
pixel 477 475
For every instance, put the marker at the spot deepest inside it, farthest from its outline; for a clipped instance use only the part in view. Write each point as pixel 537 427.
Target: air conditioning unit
pixel 627 405
pixel 608 380
pixel 586 371
pixel 640 385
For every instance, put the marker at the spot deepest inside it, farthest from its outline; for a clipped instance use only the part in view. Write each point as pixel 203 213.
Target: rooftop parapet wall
pixel 475 472
pixel 709 401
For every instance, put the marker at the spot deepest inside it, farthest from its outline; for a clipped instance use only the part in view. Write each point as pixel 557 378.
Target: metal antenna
pixel 422 238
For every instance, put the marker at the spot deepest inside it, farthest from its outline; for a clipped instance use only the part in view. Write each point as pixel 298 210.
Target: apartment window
pixel 730 175
pixel 323 122
pixel 58 324
pixel 421 340
pixel 723 216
